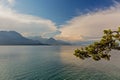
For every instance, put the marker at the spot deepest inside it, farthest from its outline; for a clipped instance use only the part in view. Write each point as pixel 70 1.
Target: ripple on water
pixel 54 63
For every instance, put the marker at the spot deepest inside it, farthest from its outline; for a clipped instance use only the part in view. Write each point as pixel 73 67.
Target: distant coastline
pixel 13 38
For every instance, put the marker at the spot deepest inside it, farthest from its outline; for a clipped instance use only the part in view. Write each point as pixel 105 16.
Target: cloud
pixel 91 25
pixel 7 2
pixel 26 24
pixel 84 27
pixel 11 1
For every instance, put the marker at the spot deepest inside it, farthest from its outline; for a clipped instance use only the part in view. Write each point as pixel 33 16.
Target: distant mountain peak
pixel 51 39
pixel 15 38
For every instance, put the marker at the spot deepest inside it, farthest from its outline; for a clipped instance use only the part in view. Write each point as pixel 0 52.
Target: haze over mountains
pixel 50 41
pixel 15 38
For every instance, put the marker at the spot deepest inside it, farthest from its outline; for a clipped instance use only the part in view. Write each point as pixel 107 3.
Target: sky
pixel 69 20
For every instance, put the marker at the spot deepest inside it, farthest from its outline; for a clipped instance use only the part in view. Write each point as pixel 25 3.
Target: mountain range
pixel 15 38
pixel 49 41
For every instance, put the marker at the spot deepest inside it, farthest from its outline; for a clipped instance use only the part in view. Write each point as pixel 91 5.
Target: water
pixel 54 63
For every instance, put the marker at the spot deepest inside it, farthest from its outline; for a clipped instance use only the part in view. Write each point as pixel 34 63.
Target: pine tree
pixel 100 50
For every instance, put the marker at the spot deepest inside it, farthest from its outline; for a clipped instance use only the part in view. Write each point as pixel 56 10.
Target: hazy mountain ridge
pixel 49 41
pixel 14 38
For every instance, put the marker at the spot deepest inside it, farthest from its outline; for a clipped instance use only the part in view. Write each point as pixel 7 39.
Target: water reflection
pixel 111 67
pixel 54 63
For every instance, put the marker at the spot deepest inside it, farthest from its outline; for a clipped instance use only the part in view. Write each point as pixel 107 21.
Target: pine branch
pixel 100 50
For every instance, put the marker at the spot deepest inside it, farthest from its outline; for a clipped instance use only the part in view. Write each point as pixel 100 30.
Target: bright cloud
pixel 23 23
pixel 11 1
pixel 91 25
pixel 83 27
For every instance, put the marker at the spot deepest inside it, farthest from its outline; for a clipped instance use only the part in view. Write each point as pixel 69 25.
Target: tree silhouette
pixel 100 50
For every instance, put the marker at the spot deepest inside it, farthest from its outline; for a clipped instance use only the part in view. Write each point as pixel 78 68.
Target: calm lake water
pixel 54 63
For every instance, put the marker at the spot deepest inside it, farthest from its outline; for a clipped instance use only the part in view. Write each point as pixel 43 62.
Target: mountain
pixel 14 38
pixel 53 41
pixel 50 41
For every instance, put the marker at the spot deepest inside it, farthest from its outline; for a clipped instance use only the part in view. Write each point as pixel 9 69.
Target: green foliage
pixel 100 50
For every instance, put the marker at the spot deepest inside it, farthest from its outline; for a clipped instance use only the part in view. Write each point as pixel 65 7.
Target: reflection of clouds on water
pixel 66 54
pixel 54 63
pixel 111 67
